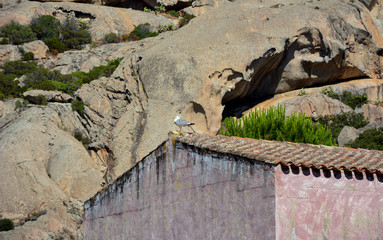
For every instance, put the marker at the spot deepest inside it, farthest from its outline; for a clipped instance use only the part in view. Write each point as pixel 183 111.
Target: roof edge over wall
pixel 288 153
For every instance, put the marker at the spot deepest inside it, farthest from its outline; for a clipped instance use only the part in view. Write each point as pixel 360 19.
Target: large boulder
pixel 347 136
pixel 51 96
pixel 371 112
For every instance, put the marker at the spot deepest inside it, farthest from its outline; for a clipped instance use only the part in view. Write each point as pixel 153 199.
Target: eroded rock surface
pixel 51 96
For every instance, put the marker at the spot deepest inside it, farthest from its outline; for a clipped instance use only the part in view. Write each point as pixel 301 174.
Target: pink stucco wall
pixel 323 204
pixel 179 192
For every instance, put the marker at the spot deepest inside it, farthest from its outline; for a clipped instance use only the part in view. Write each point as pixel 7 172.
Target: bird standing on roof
pixel 182 123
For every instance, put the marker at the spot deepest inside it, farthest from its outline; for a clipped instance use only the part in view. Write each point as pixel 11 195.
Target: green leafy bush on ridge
pixel 37 77
pixel 143 31
pixel 272 124
pixel 58 37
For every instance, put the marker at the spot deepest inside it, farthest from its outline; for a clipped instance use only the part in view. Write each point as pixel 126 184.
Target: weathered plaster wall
pixel 323 204
pixel 184 193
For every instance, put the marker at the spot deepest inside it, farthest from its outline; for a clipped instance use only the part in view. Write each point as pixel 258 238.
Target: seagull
pixel 182 123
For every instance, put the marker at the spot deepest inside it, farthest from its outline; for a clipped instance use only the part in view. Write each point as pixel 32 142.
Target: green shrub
pixel 8 86
pixel 173 13
pixel 147 10
pixel 6 224
pixel 17 33
pixel 370 139
pixel 56 44
pixel 169 27
pixel 21 105
pixel 78 106
pixel 19 68
pixel 302 92
pixel 28 56
pixel 2 96
pixel 185 19
pixel 111 38
pixel 143 31
pixel 336 122
pixel 160 9
pixel 41 100
pixel 46 27
pixel 83 139
pixel 352 100
pixel 272 124
pixel 4 41
pixel 73 36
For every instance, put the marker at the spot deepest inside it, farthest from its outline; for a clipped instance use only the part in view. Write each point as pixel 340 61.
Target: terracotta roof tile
pixel 299 154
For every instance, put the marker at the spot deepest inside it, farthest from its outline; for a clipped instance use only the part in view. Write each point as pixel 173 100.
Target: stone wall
pixel 324 204
pixel 182 192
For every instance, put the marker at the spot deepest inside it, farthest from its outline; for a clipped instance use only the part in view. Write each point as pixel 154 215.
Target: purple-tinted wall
pixel 186 193
pixel 323 204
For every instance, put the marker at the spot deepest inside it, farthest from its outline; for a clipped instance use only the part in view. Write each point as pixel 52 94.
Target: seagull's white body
pixel 181 123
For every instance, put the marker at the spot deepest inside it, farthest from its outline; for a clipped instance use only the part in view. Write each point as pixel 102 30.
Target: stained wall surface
pixel 181 192
pixel 323 204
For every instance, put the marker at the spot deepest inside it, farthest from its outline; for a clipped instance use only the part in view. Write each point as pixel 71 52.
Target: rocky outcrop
pixel 102 20
pixel 47 166
pixel 371 112
pixel 10 52
pixel 51 96
pixel 347 136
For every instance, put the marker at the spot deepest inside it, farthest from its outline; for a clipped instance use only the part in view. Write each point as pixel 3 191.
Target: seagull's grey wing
pixel 181 122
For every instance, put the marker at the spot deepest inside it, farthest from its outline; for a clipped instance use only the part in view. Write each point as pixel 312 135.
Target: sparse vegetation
pixel 173 13
pixel 302 92
pixel 169 27
pixel 17 34
pixel 41 100
pixel 78 106
pixel 143 31
pixel 81 138
pixel 37 77
pixel 370 139
pixel 352 100
pixel 185 19
pixel 337 122
pixel 160 9
pixel 111 38
pixel 6 224
pixel 58 37
pixel 272 124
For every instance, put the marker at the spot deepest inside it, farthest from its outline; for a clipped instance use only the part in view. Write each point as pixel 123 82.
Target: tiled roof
pixel 287 153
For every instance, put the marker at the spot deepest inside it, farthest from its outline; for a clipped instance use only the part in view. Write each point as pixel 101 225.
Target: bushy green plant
pixel 185 19
pixel 73 36
pixel 147 10
pixel 56 44
pixel 46 27
pixel 160 9
pixel 173 13
pixel 41 100
pixel 352 100
pixel 302 92
pixel 21 105
pixel 17 33
pixel 78 106
pixel 6 224
pixel 272 124
pixel 169 27
pixel 83 139
pixel 143 31
pixel 370 139
pixel 4 41
pixel 336 122
pixel 111 38
pixel 19 68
